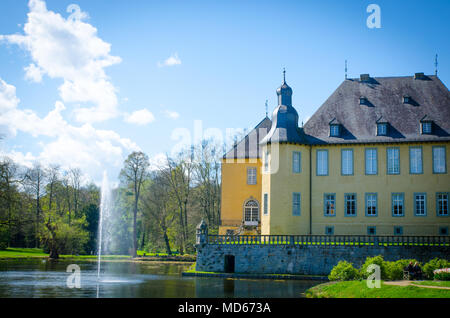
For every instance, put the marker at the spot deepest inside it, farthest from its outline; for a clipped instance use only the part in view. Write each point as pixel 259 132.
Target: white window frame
pixel 347 162
pixel 415 160
pixel 439 159
pixel 251 212
pixel 322 162
pixel 371 157
pixel 296 203
pixel 296 162
pixel 393 160
pixel 251 175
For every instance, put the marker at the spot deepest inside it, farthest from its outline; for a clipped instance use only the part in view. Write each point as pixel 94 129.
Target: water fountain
pixel 104 212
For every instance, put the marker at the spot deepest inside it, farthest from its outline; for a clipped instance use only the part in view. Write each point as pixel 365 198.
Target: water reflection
pixel 36 278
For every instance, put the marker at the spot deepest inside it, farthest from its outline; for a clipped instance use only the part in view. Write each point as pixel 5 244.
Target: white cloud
pixel 157 161
pixel 140 117
pixel 171 114
pixel 71 50
pixel 171 61
pixel 33 73
pixel 84 146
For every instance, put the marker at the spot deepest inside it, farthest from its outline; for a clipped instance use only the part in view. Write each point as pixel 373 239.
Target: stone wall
pixel 303 259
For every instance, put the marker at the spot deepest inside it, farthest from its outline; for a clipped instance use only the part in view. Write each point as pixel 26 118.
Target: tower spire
pixel 284 75
pixel 345 69
pixel 435 65
pixel 266 108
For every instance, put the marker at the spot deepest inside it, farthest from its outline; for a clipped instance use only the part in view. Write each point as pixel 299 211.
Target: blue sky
pixel 227 59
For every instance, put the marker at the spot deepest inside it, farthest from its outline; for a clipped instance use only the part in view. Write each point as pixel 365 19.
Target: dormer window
pixel 335 130
pixel 426 127
pixel 426 124
pixel 381 129
pixel 363 100
pixel 406 99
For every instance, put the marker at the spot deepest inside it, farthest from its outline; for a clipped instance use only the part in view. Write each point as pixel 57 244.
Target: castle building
pixel 372 160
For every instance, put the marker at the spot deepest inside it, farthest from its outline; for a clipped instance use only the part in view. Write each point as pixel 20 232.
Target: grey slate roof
pixel 249 146
pixel 429 97
pixel 429 100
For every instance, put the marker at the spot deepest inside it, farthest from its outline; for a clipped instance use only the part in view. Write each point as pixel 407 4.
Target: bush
pixel 3 246
pixel 394 270
pixel 378 260
pixel 343 271
pixel 435 263
pixel 442 274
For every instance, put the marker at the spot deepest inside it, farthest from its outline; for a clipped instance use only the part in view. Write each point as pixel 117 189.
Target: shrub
pixel 343 271
pixel 3 246
pixel 394 270
pixel 435 263
pixel 442 274
pixel 378 260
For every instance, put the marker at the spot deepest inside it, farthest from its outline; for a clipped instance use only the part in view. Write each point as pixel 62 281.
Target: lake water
pixel 43 278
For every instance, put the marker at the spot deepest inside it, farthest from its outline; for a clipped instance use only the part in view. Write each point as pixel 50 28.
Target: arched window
pixel 251 212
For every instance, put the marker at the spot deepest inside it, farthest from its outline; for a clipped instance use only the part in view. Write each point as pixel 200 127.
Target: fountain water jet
pixel 104 212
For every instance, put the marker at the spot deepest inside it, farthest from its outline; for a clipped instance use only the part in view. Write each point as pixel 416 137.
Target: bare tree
pixel 35 181
pixel 156 204
pixel 53 175
pixel 75 180
pixel 133 173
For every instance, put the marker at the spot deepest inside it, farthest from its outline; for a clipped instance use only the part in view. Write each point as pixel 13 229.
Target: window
pixel 334 130
pixel 406 99
pixel 371 161
pixel 398 230
pixel 371 230
pixel 371 204
pixel 439 165
pixel 350 204
pixel 346 162
pixel 382 129
pixel 393 161
pixel 443 230
pixel 329 204
pixel 442 204
pixel 415 160
pixel 251 175
pixel 251 212
pixel 420 204
pixel 296 203
pixel 329 230
pixel 266 161
pixel 427 127
pixel 266 203
pixel 397 204
pixel 296 162
pixel 362 100
pixel 322 162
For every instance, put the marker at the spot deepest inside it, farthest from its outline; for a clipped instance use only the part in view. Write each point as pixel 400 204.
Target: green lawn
pixel 39 253
pixel 359 289
pixel 433 283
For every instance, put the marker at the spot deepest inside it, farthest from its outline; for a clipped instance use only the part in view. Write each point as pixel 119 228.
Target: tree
pixel 35 181
pixel 156 205
pixel 133 174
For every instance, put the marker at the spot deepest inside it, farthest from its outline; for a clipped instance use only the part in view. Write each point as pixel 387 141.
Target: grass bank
pixel 37 253
pixel 359 289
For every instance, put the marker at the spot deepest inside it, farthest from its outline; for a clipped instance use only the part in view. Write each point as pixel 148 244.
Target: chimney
pixel 364 77
pixel 419 76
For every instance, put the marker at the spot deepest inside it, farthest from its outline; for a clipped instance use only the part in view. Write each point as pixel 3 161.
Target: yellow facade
pixel 280 182
pixel 236 191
